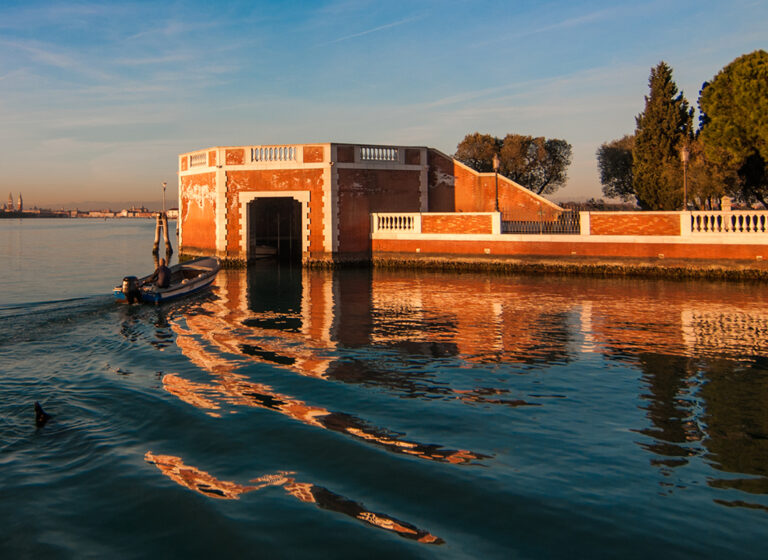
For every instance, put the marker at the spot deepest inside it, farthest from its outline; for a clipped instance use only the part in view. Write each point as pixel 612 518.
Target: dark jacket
pixel 161 277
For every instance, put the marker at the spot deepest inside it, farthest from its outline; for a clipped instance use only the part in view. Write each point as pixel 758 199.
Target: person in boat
pixel 161 276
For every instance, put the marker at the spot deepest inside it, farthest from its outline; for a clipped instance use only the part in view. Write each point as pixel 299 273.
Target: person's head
pixel 162 262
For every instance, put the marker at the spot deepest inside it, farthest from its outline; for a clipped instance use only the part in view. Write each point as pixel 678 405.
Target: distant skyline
pixel 98 98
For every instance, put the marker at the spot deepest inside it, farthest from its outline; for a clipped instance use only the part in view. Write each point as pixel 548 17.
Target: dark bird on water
pixel 41 416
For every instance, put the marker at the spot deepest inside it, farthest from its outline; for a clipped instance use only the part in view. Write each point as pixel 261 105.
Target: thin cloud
pixel 572 22
pixel 39 53
pixel 373 30
pixel 565 24
pixel 152 60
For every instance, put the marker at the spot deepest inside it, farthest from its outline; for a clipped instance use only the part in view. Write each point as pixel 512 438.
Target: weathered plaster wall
pixel 313 154
pixel 441 181
pixel 198 211
pixel 234 156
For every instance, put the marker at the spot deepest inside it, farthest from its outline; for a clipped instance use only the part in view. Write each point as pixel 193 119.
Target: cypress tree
pixel 662 129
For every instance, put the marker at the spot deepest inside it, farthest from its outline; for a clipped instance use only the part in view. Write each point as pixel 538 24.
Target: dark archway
pixel 274 228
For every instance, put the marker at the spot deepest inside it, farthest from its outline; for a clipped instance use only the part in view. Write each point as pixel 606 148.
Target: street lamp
pixel 164 185
pixel 496 164
pixel 684 155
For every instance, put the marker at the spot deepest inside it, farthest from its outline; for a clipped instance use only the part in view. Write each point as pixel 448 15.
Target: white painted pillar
pixel 584 223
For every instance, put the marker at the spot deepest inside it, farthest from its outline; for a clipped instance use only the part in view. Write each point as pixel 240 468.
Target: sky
pixel 98 98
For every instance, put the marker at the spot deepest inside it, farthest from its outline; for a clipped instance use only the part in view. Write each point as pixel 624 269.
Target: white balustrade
pixel 742 221
pixel 273 153
pixel 378 153
pixel 397 223
pixel 196 160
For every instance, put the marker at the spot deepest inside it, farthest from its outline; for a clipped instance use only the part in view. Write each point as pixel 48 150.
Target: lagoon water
pixel 297 413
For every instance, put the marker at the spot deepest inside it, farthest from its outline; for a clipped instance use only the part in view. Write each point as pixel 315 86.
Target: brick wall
pixel 571 248
pixel 634 223
pixel 275 180
pixel 456 188
pixel 345 154
pixel 364 191
pixel 456 223
pixel 412 156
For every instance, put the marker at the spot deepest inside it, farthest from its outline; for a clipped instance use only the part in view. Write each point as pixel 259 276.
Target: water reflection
pixel 208 485
pixel 700 350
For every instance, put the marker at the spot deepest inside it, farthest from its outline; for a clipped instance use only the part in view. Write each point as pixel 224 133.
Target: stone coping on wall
pixel 698 239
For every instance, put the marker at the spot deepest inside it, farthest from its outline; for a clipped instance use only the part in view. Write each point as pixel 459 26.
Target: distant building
pixel 20 207
pixel 134 212
pixel 9 206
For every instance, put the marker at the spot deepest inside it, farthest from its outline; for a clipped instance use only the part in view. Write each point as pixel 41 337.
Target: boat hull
pixel 187 279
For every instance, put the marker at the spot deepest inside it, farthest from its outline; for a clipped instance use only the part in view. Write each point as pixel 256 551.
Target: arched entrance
pixel 274 225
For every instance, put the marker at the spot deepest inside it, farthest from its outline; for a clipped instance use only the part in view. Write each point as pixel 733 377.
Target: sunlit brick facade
pixel 316 200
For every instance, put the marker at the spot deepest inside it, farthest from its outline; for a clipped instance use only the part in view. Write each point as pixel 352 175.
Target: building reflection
pixel 700 347
pixel 208 338
pixel 208 485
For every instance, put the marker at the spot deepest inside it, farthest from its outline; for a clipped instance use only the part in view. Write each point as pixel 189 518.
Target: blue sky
pixel 98 98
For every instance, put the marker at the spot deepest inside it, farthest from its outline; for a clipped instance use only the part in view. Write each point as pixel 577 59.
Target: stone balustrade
pixel 273 153
pixel 734 222
pixel 378 153
pixel 407 222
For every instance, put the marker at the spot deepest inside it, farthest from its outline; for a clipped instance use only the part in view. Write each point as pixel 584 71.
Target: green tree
pixel 734 131
pixel 708 180
pixel 614 160
pixel 476 150
pixel 663 128
pixel 539 164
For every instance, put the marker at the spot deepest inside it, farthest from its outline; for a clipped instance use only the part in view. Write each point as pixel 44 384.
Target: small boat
pixel 187 278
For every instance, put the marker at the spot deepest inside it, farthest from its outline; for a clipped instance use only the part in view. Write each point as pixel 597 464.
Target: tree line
pixel 727 152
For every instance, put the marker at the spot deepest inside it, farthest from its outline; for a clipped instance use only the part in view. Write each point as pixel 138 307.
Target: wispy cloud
pixel 372 30
pixel 55 57
pixel 571 22
pixel 149 61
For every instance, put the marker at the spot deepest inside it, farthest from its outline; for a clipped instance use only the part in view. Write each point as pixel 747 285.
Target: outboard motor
pixel 131 289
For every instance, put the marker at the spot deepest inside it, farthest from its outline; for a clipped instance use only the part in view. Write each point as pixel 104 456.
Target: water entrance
pixel 274 228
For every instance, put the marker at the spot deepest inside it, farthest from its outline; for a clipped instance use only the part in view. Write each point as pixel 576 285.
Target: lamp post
pixel 496 164
pixel 164 185
pixel 684 155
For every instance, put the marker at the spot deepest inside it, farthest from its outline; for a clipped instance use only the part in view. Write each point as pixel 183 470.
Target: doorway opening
pixel 274 228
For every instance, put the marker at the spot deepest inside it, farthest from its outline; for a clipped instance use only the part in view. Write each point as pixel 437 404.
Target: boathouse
pixel 315 202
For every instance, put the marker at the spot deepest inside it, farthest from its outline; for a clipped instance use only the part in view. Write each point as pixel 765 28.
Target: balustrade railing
pixel 198 159
pixel 742 221
pixel 273 153
pixel 395 222
pixel 378 153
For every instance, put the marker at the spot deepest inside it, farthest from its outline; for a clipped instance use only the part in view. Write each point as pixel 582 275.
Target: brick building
pixel 314 201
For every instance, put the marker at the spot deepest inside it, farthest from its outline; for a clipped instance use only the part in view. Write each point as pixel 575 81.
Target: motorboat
pixel 187 278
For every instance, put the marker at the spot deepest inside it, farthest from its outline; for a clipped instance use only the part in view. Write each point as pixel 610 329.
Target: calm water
pixel 298 414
